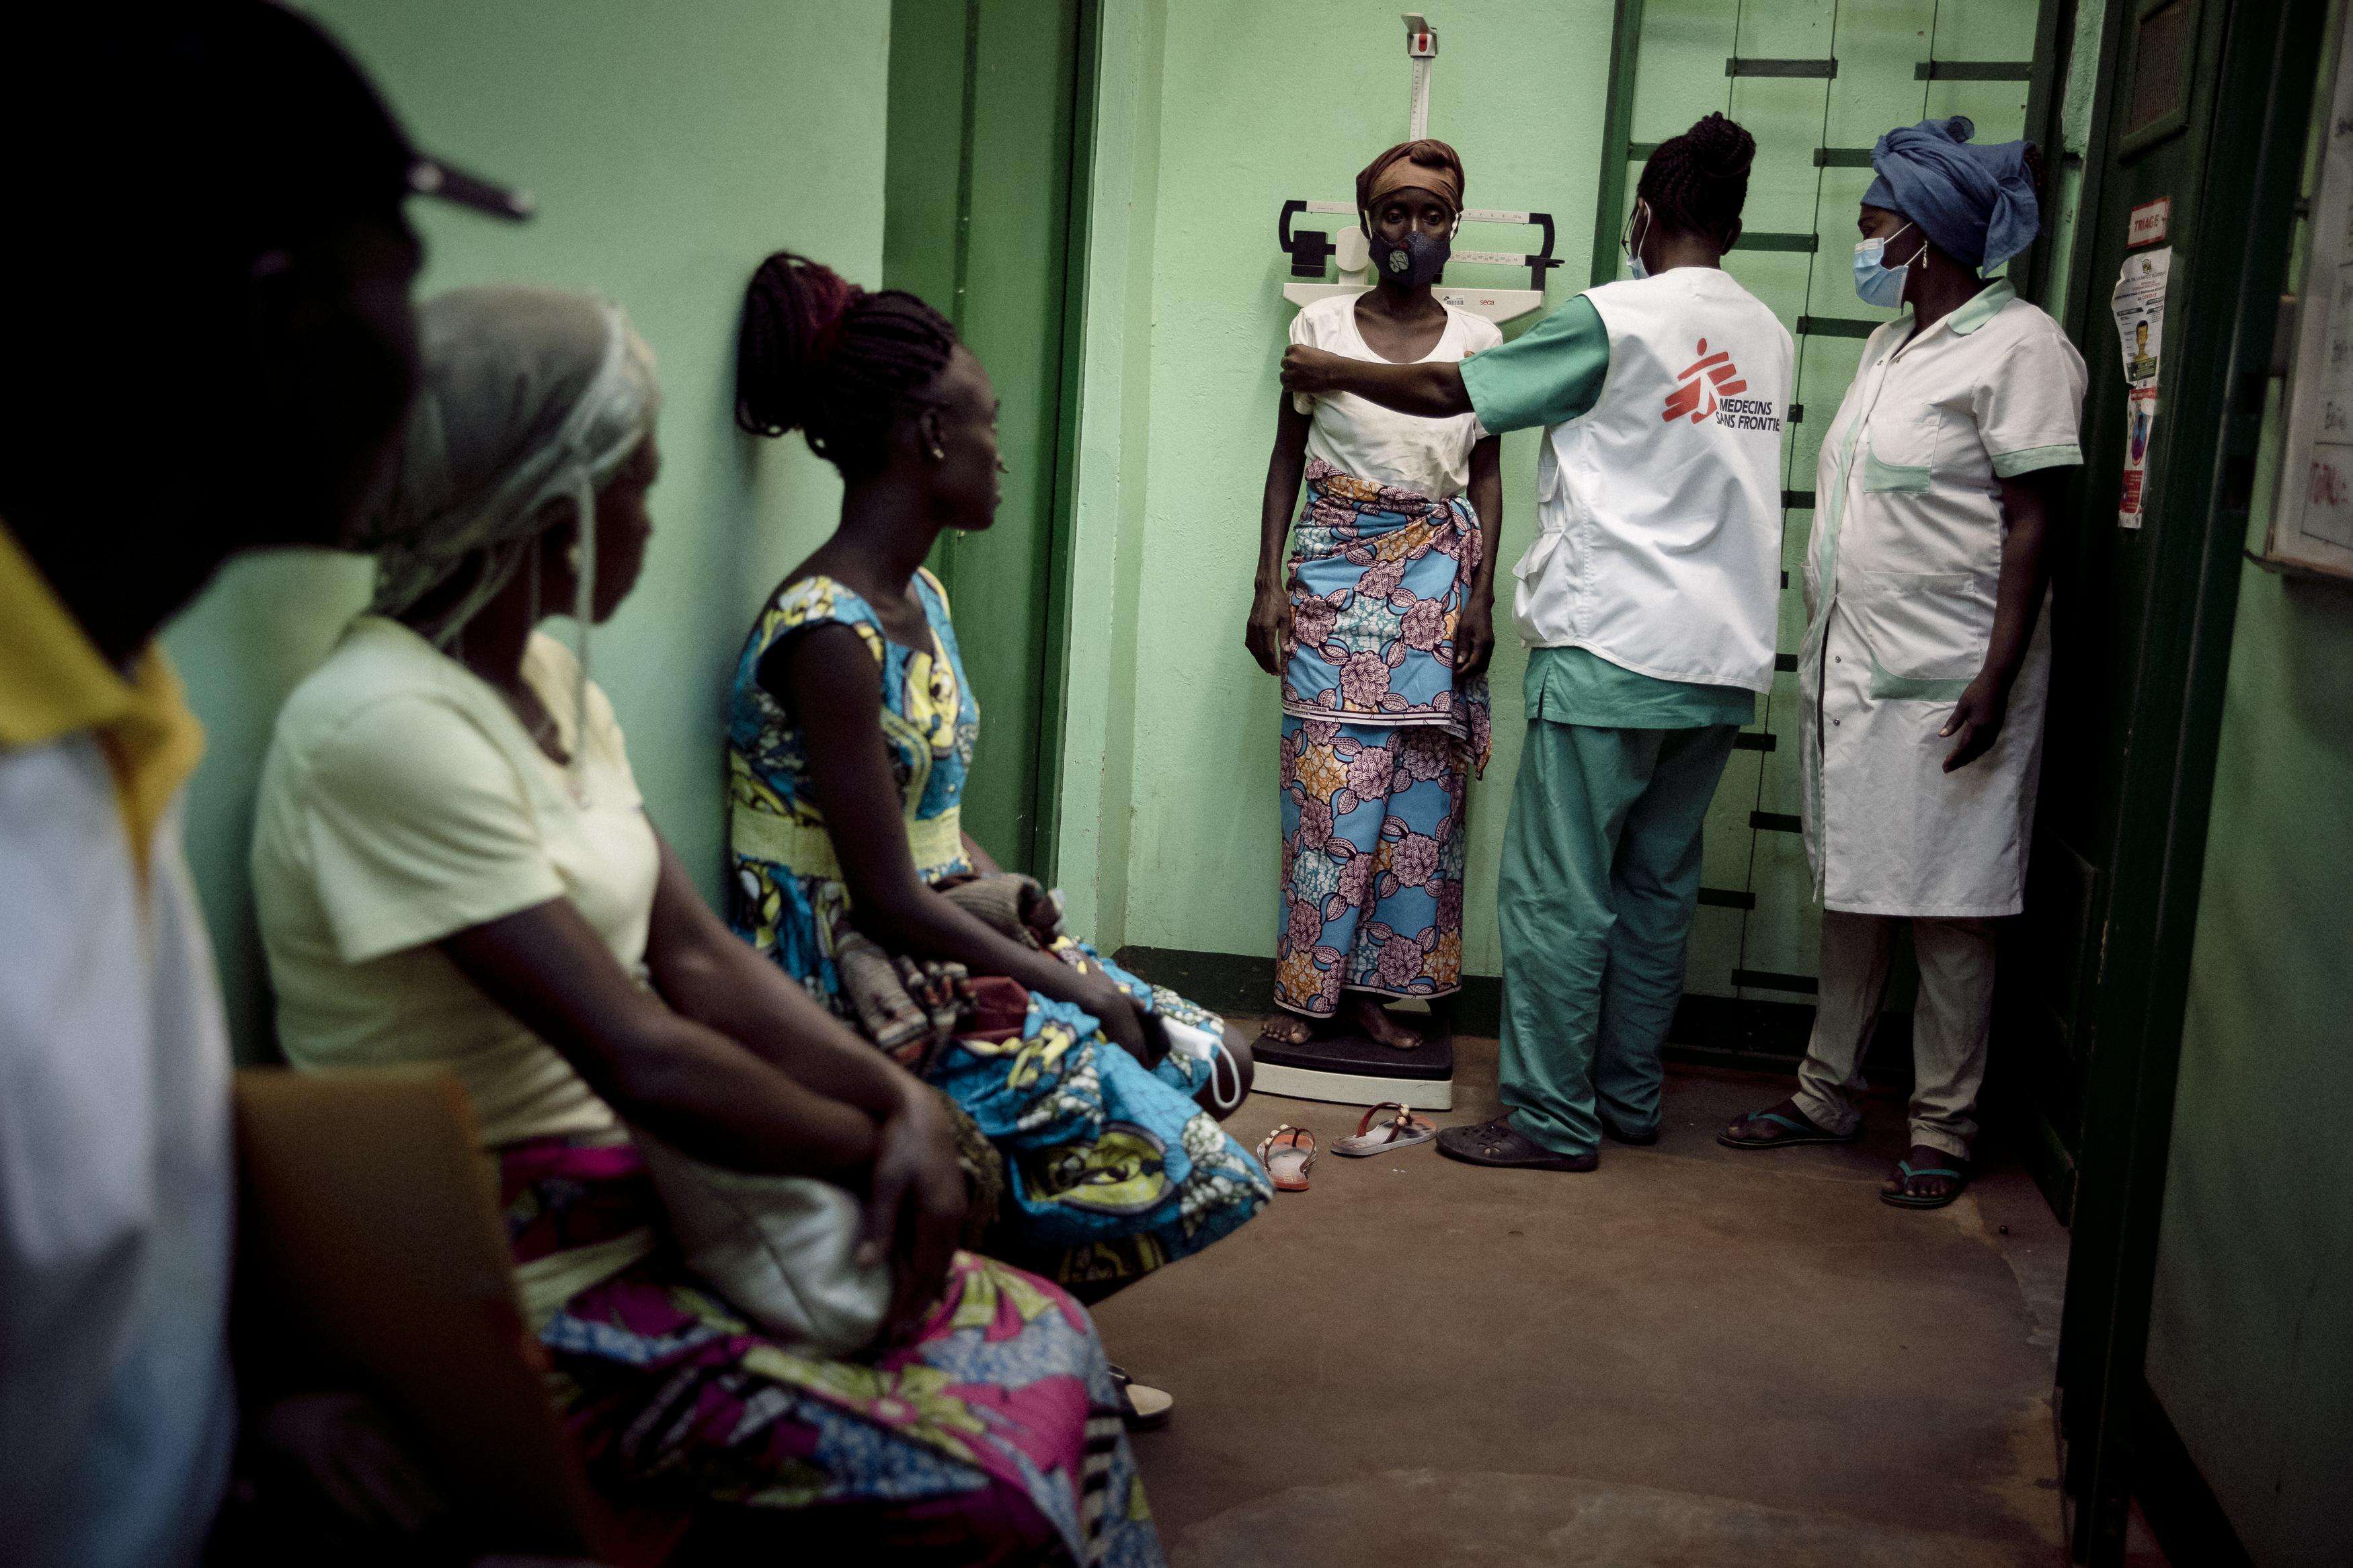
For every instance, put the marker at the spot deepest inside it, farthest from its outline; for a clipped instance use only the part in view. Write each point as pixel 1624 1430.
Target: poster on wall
pixel 2312 525
pixel 2138 304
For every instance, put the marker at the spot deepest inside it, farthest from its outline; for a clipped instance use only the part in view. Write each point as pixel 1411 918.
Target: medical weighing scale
pixel 1351 1070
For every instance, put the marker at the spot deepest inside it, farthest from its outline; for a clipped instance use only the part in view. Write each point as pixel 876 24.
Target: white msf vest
pixel 1659 510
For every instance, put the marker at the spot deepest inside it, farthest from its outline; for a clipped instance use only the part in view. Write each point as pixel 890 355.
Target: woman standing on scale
pixel 1379 624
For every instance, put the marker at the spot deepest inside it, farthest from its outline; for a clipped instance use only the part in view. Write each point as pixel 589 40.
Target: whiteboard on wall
pixel 2312 526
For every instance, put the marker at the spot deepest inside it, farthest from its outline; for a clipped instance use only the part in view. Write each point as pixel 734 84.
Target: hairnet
pixel 525 397
pixel 1977 203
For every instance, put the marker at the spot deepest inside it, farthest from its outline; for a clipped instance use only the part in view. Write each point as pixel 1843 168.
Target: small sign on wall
pixel 2149 222
pixel 2138 304
pixel 2311 522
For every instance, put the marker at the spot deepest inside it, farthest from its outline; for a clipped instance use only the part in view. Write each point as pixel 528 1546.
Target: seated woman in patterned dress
pixel 453 866
pixel 850 728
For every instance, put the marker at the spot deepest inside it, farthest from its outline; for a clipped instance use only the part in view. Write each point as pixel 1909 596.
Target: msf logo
pixel 1705 379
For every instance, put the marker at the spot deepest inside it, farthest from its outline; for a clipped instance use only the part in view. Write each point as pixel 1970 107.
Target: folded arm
pixel 713 977
pixel 827 679
pixel 671 1074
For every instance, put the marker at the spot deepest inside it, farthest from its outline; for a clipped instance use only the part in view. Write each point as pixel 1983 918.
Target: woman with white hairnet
pixel 453 867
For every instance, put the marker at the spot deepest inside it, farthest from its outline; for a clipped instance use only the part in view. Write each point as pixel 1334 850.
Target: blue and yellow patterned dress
pixel 1111 1169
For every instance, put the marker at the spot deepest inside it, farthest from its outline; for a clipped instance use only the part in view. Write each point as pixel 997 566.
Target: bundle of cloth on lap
pixel 917 1009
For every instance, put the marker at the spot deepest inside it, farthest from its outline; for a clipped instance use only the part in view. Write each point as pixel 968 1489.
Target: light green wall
pixel 1168 835
pixel 2250 1342
pixel 669 147
pixel 1098 771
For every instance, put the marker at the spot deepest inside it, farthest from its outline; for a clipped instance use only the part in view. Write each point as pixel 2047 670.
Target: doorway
pixel 990 104
pixel 2197 146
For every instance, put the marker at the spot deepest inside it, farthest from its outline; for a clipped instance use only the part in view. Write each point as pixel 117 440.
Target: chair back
pixel 371 1225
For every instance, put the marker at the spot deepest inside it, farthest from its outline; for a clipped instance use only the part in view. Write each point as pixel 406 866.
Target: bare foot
pixel 1287 1029
pixel 1378 1023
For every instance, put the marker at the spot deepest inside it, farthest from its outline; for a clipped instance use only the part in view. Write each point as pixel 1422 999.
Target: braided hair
pixel 821 355
pixel 1697 182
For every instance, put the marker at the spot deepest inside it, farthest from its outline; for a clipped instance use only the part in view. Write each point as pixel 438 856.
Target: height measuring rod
pixel 1311 251
pixel 1421 47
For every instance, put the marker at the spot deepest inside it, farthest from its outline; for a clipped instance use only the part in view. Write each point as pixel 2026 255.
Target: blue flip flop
pixel 1905 1200
pixel 1799 1132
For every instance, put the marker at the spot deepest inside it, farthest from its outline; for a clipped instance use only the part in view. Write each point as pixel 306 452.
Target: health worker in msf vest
pixel 1648 601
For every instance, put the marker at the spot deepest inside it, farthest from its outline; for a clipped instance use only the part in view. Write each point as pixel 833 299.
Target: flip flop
pixel 1796 1130
pixel 1904 1199
pixel 1402 1131
pixel 1287 1158
pixel 1141 1407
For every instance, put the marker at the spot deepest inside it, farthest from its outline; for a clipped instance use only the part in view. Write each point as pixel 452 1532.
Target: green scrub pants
pixel 1600 876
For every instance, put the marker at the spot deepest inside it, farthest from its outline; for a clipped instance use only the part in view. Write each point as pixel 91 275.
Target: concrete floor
pixel 1693 1356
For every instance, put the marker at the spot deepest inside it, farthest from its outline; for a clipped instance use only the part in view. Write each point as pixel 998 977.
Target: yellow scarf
pixel 54 683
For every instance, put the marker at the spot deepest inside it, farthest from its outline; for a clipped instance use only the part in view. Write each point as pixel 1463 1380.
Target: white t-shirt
pixel 403 801
pixel 1367 441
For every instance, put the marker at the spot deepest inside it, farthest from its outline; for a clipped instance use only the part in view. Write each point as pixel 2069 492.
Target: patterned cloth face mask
pixel 1408 266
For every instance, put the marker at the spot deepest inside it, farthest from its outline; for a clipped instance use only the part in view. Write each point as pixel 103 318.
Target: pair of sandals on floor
pixel 1289 1152
pixel 1784 1126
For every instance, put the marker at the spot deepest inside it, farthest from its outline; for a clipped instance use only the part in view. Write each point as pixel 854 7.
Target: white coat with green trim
pixel 1901 576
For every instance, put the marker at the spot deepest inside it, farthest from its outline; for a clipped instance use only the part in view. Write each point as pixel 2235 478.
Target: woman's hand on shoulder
pixel 1268 632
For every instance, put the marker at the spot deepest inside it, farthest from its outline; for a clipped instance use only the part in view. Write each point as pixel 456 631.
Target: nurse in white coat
pixel 1927 656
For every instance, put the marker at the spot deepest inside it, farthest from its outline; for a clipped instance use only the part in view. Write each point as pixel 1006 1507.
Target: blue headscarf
pixel 1976 202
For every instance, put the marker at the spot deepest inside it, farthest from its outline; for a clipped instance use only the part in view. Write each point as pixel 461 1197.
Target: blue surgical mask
pixel 1878 283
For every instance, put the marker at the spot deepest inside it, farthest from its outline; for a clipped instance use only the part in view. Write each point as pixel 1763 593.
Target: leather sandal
pixel 1288 1154
pixel 1402 1131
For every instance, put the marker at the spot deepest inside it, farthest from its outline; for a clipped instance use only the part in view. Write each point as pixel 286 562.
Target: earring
pixel 939 453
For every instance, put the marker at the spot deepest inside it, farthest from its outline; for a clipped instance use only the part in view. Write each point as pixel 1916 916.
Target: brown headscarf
pixel 1427 164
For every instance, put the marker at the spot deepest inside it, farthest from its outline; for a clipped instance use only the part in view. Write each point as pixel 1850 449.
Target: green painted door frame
pixel 2253 82
pixel 1616 137
pixel 991 118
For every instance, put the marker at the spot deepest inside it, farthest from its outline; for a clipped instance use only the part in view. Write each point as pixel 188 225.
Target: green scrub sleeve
pixel 1548 376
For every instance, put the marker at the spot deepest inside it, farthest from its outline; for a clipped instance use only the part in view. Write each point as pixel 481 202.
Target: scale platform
pixel 1352 1070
